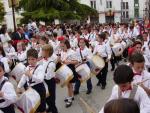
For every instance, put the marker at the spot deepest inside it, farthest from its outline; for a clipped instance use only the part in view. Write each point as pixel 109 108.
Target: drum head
pixel 98 61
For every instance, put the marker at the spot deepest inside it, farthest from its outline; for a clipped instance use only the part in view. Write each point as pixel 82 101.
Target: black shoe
pixel 76 92
pixel 66 99
pixel 98 84
pixel 103 87
pixel 68 104
pixel 88 92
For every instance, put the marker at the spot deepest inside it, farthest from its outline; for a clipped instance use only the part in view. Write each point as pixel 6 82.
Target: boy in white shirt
pixel 123 77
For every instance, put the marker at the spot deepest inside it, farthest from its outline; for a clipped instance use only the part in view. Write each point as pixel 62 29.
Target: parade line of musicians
pixel 38 58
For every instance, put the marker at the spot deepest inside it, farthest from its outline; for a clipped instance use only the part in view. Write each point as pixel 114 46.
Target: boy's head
pixel 123 76
pixel 137 61
pixel 137 45
pixel 47 51
pixel 32 56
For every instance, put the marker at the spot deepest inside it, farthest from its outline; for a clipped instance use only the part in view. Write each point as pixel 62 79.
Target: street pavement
pixel 95 100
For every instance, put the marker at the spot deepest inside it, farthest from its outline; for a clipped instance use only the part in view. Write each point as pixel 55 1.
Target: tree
pixel 47 10
pixel 2 13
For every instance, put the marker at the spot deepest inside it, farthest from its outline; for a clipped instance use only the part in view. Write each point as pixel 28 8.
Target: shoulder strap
pixel 133 92
pixel 2 84
pixel 81 54
pixel 48 65
pixel 119 93
pixel 35 68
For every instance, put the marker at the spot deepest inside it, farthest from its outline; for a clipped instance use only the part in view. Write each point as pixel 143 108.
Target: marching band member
pixel 7 93
pixel 84 55
pixel 9 50
pixel 145 45
pixel 103 51
pixel 70 58
pixel 34 77
pixel 73 41
pixel 147 57
pixel 21 52
pixel 141 76
pixel 123 77
pixel 49 69
pixel 4 60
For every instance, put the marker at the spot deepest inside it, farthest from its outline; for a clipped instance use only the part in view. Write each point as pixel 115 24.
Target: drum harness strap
pixel 81 56
pixel 132 94
pixel 1 86
pixel 47 66
pixel 30 79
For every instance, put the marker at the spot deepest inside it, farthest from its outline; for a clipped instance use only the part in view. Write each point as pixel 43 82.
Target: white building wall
pixel 116 7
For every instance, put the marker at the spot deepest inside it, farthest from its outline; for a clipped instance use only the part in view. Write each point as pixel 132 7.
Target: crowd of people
pixel 39 56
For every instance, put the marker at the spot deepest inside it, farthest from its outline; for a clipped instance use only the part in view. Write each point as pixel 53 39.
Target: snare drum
pixel 84 71
pixel 117 49
pixel 129 42
pixel 64 74
pixel 18 71
pixel 96 63
pixel 29 101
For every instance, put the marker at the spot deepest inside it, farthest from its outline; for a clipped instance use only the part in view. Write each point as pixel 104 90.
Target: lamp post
pixel 121 10
pixel 13 14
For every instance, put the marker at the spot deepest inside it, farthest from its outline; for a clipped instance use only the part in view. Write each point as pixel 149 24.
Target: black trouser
pixel 102 75
pixel 78 84
pixel 9 109
pixel 52 98
pixel 40 88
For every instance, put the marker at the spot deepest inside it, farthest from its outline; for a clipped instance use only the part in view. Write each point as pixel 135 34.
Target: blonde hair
pixel 48 48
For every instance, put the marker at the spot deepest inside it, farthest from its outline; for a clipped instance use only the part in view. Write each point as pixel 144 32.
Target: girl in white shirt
pixel 70 58
pixel 84 55
pixel 7 93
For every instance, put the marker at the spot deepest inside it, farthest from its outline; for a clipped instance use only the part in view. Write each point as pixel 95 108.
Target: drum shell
pixel 64 74
pixel 96 63
pixel 84 71
pixel 18 71
pixel 29 101
pixel 117 49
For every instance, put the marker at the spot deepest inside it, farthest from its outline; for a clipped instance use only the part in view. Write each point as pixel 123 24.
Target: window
pixel 93 4
pixel 108 4
pixel 125 14
pixel 125 5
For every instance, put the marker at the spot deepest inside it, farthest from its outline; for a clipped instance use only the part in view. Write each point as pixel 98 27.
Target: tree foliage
pixel 2 13
pixel 50 9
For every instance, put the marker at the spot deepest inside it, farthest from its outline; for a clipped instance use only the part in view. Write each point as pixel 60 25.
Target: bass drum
pixel 64 74
pixel 29 101
pixel 18 71
pixel 84 71
pixel 96 64
pixel 117 49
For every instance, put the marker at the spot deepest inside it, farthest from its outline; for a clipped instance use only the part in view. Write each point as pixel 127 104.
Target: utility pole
pixel 121 11
pixel 13 13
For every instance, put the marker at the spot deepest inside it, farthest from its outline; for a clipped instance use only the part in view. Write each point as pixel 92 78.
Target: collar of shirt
pixel 129 89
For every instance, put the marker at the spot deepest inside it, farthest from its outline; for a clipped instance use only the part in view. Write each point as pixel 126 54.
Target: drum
pixel 129 42
pixel 64 74
pixel 29 101
pixel 18 71
pixel 117 49
pixel 96 64
pixel 84 71
pixel 124 44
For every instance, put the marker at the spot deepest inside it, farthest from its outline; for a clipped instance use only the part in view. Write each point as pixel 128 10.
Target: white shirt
pixel 37 76
pixel 50 66
pixel 143 77
pixel 140 97
pixel 22 56
pixel 73 42
pixel 86 53
pixel 5 62
pixel 147 57
pixel 102 50
pixel 10 96
pixel 10 52
pixel 69 55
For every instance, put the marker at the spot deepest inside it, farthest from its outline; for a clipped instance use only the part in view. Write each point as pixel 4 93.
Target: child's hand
pixel 27 73
pixel 1 94
pixel 19 91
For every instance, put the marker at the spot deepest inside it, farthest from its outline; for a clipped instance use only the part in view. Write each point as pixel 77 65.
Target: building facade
pixel 117 10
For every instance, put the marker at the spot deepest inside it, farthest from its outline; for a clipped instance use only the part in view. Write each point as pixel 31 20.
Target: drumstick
pixel 145 80
pixel 89 109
